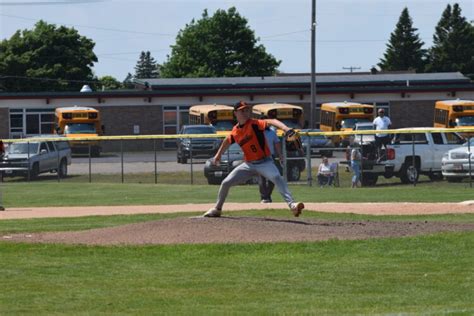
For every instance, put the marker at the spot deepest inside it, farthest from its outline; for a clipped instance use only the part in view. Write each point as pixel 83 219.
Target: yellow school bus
pixel 343 116
pixel 454 114
pixel 218 115
pixel 291 115
pixel 79 122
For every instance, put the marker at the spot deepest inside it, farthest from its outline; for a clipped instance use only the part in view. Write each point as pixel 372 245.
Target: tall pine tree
pixel 146 67
pixel 404 50
pixel 453 43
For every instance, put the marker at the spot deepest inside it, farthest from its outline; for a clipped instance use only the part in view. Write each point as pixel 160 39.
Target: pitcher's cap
pixel 240 105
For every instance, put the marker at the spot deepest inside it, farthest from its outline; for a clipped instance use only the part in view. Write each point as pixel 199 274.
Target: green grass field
pixel 429 275
pixel 51 193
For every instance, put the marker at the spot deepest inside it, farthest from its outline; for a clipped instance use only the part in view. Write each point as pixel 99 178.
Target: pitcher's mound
pixel 229 229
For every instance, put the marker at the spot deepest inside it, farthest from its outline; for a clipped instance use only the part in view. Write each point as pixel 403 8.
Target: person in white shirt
pixel 381 122
pixel 325 173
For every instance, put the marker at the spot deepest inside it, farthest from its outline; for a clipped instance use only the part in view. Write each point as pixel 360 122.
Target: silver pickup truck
pixel 31 157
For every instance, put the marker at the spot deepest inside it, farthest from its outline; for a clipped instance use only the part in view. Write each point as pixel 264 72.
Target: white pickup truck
pixel 408 156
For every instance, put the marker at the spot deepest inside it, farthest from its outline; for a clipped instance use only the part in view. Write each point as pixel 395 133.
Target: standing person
pixel 356 165
pixel 264 185
pixel 249 134
pixel 381 122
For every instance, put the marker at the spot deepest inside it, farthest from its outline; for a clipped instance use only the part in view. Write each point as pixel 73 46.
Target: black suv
pixel 197 147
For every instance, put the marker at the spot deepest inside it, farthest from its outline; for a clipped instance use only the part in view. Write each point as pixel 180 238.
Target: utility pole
pixel 351 68
pixel 313 63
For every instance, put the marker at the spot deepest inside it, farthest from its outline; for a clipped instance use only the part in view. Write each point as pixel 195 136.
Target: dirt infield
pixel 233 229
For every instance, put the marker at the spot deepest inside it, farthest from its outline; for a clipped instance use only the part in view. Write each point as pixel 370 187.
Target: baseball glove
pixel 293 141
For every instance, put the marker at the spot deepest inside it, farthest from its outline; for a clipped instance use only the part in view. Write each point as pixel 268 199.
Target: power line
pixel 91 27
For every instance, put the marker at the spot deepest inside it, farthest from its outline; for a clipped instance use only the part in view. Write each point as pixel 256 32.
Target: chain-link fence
pixel 431 154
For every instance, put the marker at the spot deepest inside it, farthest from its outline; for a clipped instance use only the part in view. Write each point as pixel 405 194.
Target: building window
pixel 31 122
pixel 173 118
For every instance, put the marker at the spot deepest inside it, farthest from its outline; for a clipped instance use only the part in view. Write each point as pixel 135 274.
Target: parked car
pixel 455 163
pixel 319 144
pixel 198 147
pixel 31 157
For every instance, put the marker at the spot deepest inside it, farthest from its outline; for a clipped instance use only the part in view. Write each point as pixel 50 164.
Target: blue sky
pixel 350 33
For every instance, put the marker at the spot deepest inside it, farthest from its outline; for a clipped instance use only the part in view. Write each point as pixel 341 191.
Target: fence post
pixel 121 158
pixel 29 165
pixel 58 162
pixel 285 168
pixel 308 159
pixel 469 159
pixel 1 189
pixel 90 162
pixel 413 157
pixel 156 169
pixel 191 159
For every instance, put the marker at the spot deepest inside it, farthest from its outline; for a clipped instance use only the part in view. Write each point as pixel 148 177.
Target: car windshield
pixel 351 122
pixel 80 128
pixel 23 148
pixel 200 130
pixel 365 127
pixel 465 121
pixel 223 125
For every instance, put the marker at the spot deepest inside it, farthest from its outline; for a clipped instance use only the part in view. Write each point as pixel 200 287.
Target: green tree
pixel 219 46
pixel 404 50
pixel 147 67
pixel 108 83
pixel 453 43
pixel 47 58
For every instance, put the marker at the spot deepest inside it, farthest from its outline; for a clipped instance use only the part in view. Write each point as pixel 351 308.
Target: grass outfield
pixel 417 275
pixel 24 194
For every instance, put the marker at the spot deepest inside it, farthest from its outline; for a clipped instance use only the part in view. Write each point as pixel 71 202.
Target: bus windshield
pixel 465 121
pixel 351 122
pixel 223 125
pixel 80 128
